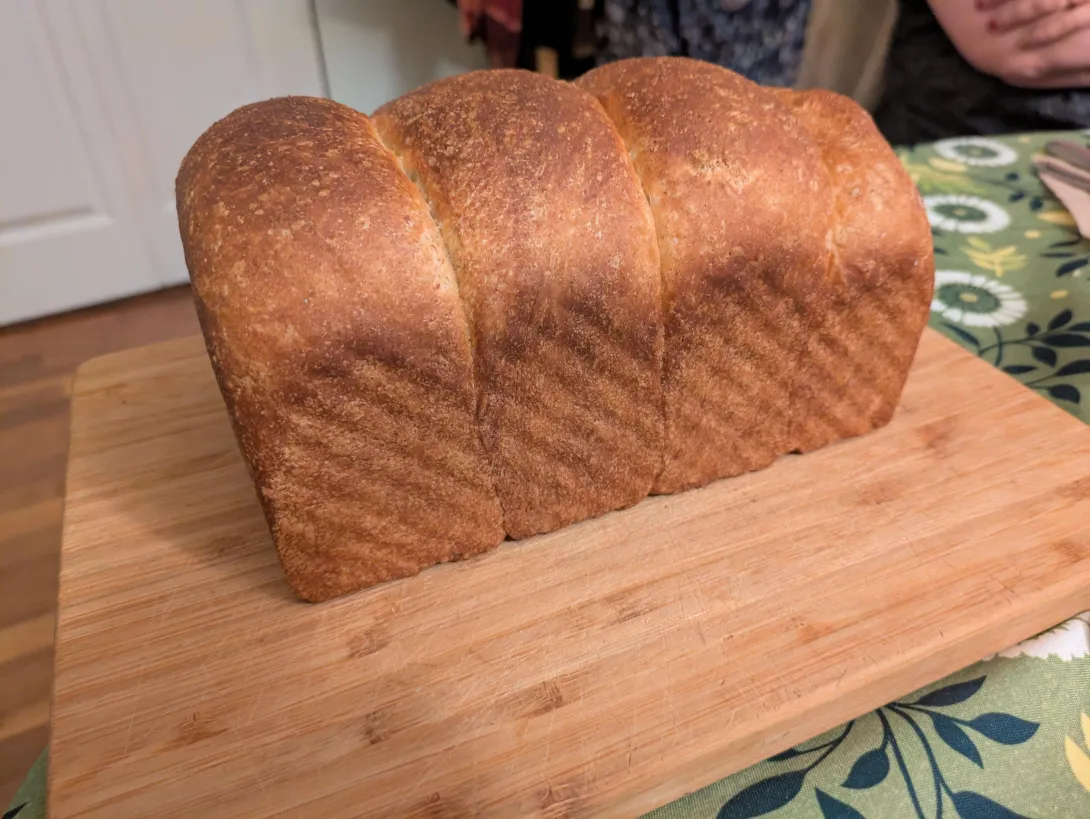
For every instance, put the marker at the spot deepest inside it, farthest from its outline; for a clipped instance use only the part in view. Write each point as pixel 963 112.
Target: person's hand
pixel 1049 49
pixel 1039 22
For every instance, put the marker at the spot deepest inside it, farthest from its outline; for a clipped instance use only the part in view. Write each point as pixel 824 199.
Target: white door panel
pixel 376 50
pixel 67 235
pixel 105 97
pixel 181 66
pixel 44 157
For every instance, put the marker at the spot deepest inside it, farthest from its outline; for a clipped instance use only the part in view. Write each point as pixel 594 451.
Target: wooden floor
pixel 37 361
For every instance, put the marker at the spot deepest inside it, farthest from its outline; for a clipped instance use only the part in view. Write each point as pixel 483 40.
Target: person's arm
pixel 1062 63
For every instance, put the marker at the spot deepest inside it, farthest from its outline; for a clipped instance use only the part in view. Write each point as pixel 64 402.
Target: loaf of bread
pixel 504 304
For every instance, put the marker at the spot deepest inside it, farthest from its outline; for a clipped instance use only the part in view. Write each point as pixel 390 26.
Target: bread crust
pixel 742 204
pixel 334 326
pixel 554 248
pixel 863 340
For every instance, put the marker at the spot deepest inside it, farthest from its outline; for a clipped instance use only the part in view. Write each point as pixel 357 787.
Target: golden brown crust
pixel 742 204
pixel 555 252
pixel 865 334
pixel 333 322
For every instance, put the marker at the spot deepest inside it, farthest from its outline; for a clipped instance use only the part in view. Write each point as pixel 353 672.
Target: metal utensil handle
pixel 1069 151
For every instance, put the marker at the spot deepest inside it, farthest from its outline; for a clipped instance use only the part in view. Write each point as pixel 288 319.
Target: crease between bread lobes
pixel 504 303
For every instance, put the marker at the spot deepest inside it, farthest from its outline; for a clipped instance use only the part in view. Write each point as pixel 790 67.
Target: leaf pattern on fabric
pixel 1004 728
pixel 996 260
pixel 1079 762
pixel 930 178
pixel 1077 759
pixel 764 796
pixel 955 738
pixel 1047 347
pixel 951 694
pixel 902 728
pixel 970 805
pixel 833 808
pixel 869 770
pixel 1058 217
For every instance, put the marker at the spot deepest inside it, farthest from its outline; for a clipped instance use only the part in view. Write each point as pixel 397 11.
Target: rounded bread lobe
pixel 883 276
pixel 742 205
pixel 335 330
pixel 555 253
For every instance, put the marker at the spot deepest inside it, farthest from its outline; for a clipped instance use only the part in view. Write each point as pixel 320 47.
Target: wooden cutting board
pixel 602 670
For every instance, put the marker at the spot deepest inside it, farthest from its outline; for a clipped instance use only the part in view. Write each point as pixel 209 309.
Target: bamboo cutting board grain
pixel 602 670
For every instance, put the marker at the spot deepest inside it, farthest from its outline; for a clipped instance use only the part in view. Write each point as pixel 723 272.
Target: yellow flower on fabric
pixel 996 260
pixel 1057 217
pixel 947 165
pixel 1076 756
pixel 930 179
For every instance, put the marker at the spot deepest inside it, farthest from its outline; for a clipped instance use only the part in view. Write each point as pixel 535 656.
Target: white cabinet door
pixel 101 100
pixel 68 227
pixel 376 50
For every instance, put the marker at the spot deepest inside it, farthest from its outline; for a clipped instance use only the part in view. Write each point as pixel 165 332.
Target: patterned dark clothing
pixel 932 92
pixel 760 39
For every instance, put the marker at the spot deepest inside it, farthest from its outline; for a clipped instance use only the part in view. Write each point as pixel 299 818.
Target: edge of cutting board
pixel 605 669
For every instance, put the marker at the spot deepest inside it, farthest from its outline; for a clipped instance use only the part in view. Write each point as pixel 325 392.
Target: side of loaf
pixel 334 327
pixel 882 272
pixel 505 303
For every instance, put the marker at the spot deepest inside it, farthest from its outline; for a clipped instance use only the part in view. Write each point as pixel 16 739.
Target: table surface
pixel 1011 289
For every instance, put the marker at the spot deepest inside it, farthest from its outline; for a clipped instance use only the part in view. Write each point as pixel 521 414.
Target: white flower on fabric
pixel 984 153
pixel 976 301
pixel 965 214
pixel 1067 641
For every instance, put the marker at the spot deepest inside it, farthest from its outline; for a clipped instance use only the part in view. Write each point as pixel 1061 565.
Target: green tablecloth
pixel 1010 736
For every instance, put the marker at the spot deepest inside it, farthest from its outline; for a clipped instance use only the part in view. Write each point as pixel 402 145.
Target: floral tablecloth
pixel 1009 737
